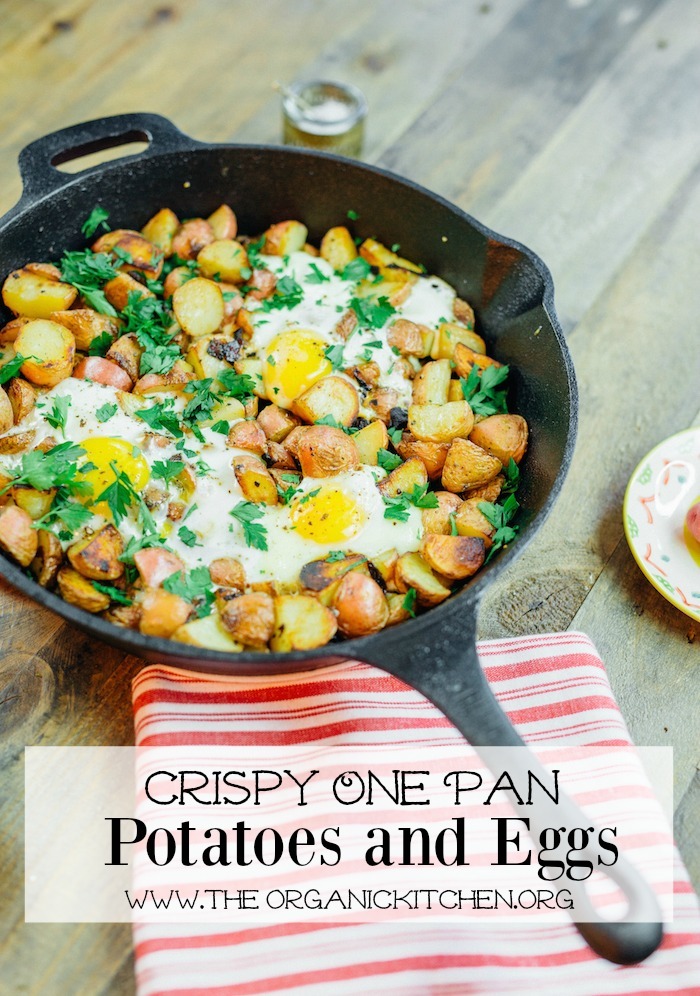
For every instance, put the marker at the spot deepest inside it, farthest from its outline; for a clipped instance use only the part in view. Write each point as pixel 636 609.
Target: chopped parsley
pixel 119 495
pixel 486 390
pixel 500 517
pixel 398 507
pixel 187 536
pixel 149 319
pixel 512 475
pixel 167 470
pixel 422 498
pixel 335 555
pixel 72 514
pixel 288 294
pixel 235 385
pixel 96 219
pixel 105 412
pixel 317 276
pixel 452 519
pixel 395 435
pixel 356 270
pixel 335 355
pixel 388 460
pixel 195 586
pixel 200 405
pixel 54 469
pixel 254 533
pixel 88 272
pixel 372 314
pixel 114 593
pixel 57 415
pixel 161 417
pixel 100 344
pixel 222 426
pixel 12 367
pixel 353 215
pixel 409 602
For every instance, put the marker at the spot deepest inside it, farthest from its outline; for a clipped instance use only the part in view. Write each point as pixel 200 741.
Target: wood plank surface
pixel 570 125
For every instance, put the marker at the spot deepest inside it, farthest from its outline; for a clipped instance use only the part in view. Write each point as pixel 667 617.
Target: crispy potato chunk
pixel 127 616
pixel 384 563
pixel 160 230
pixel 407 338
pixel 261 285
pixel 224 258
pixel 254 480
pixel 199 307
pixel 250 619
pixel 441 423
pixel 253 367
pixel 35 503
pixel 50 352
pixel 276 423
pixel 36 294
pixel 397 608
pixel 103 371
pixel 449 334
pixel 323 577
pixel 207 632
pixel 433 455
pixel 204 363
pixel 176 278
pixel 503 436
pixel 86 325
pixel 404 478
pixel 191 237
pixel 323 451
pixel 465 358
pixel 9 332
pixel 346 324
pixel 381 401
pixel 7 417
pixel 301 623
pixel 18 442
pixel 118 289
pixel 463 312
pixel 155 565
pixel 412 571
pixel 175 380
pixel 431 383
pixel 127 353
pixel 360 605
pixel 285 237
pixel 486 492
pixel 468 466
pixel 338 248
pixel 48 559
pixel 97 557
pixel 280 457
pixel 471 522
pixel 332 396
pixel 17 536
pixel 162 612
pixel 145 258
pixel 227 572
pixel 377 254
pixel 454 557
pixel 437 520
pixel 366 374
pixel 79 591
pixel 223 222
pixel 247 436
pixel 370 440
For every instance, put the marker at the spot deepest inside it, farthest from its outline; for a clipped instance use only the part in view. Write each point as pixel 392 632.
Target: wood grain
pixel 570 125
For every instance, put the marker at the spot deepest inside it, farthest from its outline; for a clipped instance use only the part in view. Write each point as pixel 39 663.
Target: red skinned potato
pixel 323 451
pixel 250 619
pixel 103 371
pixel 360 605
pixel 17 536
pixel 155 565
pixel 503 436
pixel 162 612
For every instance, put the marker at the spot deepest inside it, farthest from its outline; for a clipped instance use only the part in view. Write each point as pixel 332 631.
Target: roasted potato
pixel 227 572
pixel 441 423
pixel 338 248
pixel 384 564
pixel 50 352
pixel 431 384
pixel 225 259
pixel 80 591
pixel 86 325
pixel 438 520
pixel 301 623
pixel 7 415
pixel 118 289
pixel 227 410
pixel 127 616
pixel 466 358
pixel 377 254
pixel 381 401
pixel 103 371
pixel 176 278
pixel 223 222
pixel 191 237
pixel 260 285
pixel 433 455
pixel 469 521
pixel 453 557
pixel 370 440
pixel 463 312
pixel 410 339
pixel 486 492
pixel 48 559
pixel 37 294
pixel 127 353
pixel 284 238
pixel 276 423
pixel 360 605
pixel 175 380
pixel 254 480
pixel 398 612
pixel 17 442
pixel 144 257
pixel 16 534
pixel 447 337
pixel 404 479
pixel 323 577
pixel 250 619
pixel 10 331
pixel 162 612
pixel 468 466
pixel 323 451
pixel 332 396
pixel 204 363
pixel 253 367
pixel 412 571
pixel 346 324
pixel 248 436
pixel 97 556
pixel 160 230
pixel 207 632
pixel 35 503
pixel 199 307
pixel 503 436
pixel 155 565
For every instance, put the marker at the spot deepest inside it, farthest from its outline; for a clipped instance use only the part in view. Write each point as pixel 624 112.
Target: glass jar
pixel 324 115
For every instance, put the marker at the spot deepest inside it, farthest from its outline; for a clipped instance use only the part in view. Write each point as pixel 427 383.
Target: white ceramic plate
pixel 661 490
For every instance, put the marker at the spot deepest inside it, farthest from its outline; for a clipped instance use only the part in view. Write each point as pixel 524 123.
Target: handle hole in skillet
pixel 101 150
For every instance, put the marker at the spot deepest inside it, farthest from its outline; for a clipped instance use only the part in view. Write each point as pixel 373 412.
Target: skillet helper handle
pixel 445 667
pixel 38 161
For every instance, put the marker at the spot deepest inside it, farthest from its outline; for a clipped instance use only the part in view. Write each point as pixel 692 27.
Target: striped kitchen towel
pixel 554 689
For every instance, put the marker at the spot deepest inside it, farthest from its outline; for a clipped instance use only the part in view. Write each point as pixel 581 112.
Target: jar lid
pixel 321 107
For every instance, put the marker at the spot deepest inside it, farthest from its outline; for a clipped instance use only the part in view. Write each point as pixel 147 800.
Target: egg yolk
pixel 327 516
pixel 294 361
pixel 105 454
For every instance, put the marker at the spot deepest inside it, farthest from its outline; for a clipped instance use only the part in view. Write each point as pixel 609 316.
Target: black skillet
pixel 512 294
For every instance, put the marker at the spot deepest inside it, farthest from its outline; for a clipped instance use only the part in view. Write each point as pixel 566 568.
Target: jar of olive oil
pixel 324 115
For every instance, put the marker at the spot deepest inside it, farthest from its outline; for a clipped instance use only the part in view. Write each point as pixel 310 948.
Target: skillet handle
pixel 38 160
pixel 445 667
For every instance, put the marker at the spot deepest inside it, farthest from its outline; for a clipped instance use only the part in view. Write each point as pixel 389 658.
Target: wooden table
pixel 572 126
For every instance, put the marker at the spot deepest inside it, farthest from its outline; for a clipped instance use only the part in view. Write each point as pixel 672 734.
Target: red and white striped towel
pixel 553 687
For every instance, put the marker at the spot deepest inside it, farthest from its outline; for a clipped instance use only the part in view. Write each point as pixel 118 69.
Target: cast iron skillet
pixel 512 294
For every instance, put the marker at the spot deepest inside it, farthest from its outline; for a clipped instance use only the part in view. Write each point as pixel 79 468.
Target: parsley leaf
pixel 114 593
pixel 54 469
pixel 11 368
pixel 317 275
pixel 58 414
pixel 335 355
pixel 422 498
pixel 486 390
pixel 352 214
pixel 96 219
pixel 357 269
pixel 196 587
pixel 254 533
pixel 200 406
pixel 389 461
pixel 395 435
pixel 409 602
pixel 105 412
pixel 288 294
pixel 512 475
pixel 372 314
pixel 100 344
pixel 236 385
pixel 167 470
pixel 334 556
pixel 187 536
pixel 222 426
pixel 160 417
pixel 88 272
pixel 120 495
pixel 500 517
pixel 452 519
pixel 72 514
pixel 149 319
pixel 396 508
